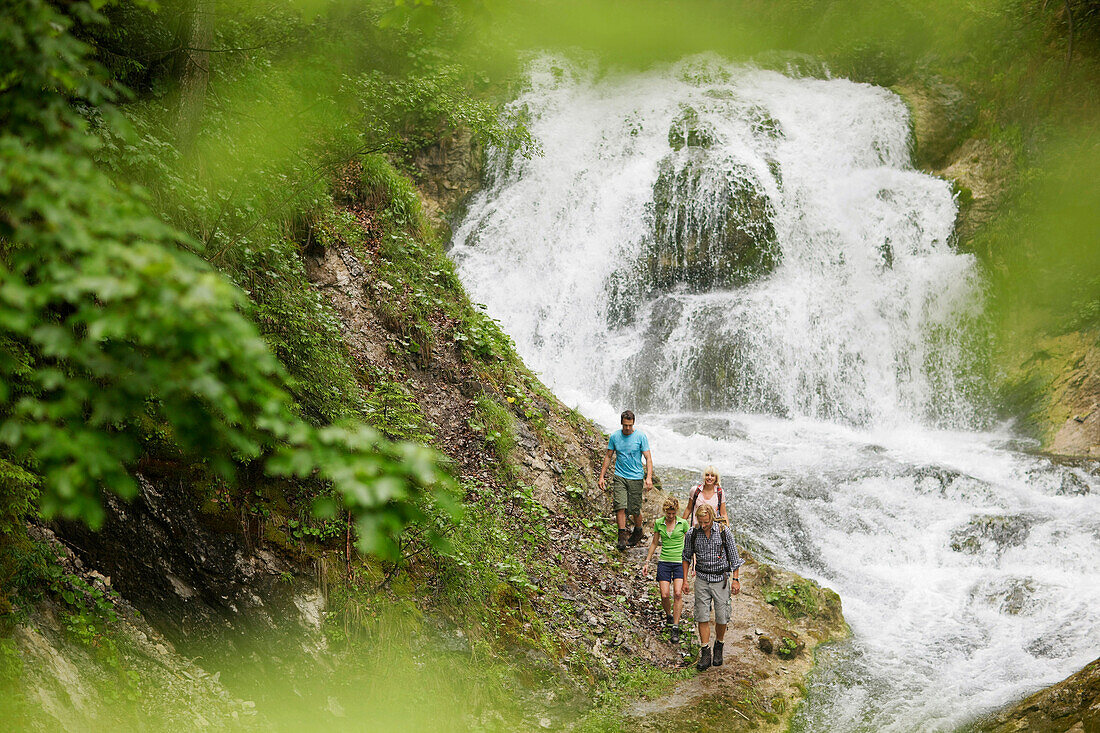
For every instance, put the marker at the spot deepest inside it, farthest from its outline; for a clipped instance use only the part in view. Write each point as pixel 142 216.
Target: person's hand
pixel 648 484
pixel 602 483
pixel 735 586
pixel 645 569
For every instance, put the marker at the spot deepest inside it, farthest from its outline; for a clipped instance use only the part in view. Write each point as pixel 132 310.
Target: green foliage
pixel 481 337
pixel 317 531
pixel 793 601
pixel 787 648
pixel 18 497
pixel 392 410
pixel 492 421
pixel 106 319
pixel 404 114
pixel 386 191
pixel 303 331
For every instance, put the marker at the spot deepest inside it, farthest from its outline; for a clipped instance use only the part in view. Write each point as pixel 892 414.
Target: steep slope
pixel 254 615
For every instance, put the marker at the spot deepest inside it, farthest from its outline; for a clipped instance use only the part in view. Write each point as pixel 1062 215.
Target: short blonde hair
pixel 717 476
pixel 705 509
pixel 672 504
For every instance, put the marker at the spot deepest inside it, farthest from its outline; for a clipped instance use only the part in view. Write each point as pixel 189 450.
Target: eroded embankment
pixel 225 615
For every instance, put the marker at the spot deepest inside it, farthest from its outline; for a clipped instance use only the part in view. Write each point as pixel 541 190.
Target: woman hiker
pixel 669 532
pixel 710 553
pixel 710 493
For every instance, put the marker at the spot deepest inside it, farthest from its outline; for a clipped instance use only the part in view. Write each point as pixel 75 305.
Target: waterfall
pixel 750 262
pixel 723 238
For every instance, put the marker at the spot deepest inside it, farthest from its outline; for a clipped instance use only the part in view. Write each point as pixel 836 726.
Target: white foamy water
pixel 834 386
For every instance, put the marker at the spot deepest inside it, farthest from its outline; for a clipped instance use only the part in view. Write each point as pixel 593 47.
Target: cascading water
pixel 750 262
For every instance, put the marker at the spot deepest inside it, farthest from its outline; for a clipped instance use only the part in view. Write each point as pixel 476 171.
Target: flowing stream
pixel 750 262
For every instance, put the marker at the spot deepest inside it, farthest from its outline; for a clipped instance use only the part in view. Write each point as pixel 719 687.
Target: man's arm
pixel 736 563
pixel 648 469
pixel 603 469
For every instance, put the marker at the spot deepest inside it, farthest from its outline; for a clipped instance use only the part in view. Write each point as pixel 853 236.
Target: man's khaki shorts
pixel 627 494
pixel 719 593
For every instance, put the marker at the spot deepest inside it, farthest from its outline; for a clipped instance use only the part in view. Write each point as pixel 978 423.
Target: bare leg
pixel 704 633
pixel 666 597
pixel 678 600
pixel 719 631
pixel 621 516
pixel 637 521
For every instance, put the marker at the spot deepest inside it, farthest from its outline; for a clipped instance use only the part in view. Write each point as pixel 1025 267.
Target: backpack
pixel 695 495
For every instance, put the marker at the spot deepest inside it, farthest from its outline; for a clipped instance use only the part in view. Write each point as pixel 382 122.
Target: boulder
pixel 712 225
pixel 941 117
pixel 1071 705
pixel 991 534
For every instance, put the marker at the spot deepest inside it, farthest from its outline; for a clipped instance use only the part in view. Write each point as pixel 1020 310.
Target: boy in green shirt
pixel 669 532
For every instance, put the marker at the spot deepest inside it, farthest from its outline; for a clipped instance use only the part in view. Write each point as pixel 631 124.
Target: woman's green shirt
pixel 672 543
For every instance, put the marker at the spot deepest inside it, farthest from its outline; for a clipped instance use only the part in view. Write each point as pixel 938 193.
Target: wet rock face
pixel 720 364
pixel 991 534
pixel 712 226
pixel 198 583
pixel 687 131
pixel 1072 705
pixel 941 117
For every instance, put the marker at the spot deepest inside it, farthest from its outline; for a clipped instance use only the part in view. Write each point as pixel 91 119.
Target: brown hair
pixel 627 415
pixel 671 504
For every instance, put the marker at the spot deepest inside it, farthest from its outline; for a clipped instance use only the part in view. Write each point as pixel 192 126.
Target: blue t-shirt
pixel 628 453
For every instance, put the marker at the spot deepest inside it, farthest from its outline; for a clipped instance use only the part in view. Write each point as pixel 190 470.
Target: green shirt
pixel 672 543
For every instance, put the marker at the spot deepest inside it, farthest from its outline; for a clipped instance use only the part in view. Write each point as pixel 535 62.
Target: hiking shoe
pixel 668 619
pixel 635 536
pixel 704 659
pixel 622 540
pixel 675 634
pixel 717 659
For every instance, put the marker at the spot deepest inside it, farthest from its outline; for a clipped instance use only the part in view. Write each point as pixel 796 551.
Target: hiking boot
pixel 622 540
pixel 635 537
pixel 704 659
pixel 675 634
pixel 717 659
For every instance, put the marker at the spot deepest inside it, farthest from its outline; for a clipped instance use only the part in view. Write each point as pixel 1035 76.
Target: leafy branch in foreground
pixel 106 322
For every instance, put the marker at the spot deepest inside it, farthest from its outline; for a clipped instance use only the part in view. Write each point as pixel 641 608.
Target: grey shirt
pixel 711 563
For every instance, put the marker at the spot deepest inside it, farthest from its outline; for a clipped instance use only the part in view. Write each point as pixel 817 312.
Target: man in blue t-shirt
pixel 631 476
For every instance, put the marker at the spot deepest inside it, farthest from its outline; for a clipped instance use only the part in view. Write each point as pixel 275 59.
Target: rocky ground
pixel 80 676
pixel 767 657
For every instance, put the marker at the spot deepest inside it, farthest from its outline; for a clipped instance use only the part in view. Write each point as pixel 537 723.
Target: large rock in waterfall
pixel 688 131
pixel 712 225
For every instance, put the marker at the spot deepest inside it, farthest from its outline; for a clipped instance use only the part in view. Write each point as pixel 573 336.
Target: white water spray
pixel 751 263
